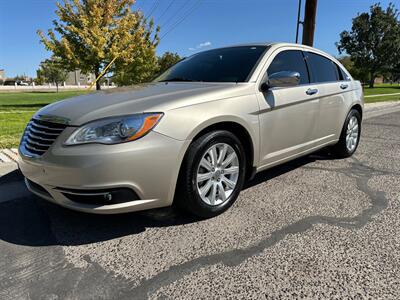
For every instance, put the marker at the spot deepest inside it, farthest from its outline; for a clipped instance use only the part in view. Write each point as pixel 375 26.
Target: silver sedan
pixel 194 135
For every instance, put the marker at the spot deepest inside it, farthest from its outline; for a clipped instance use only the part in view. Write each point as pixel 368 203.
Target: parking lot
pixel 314 227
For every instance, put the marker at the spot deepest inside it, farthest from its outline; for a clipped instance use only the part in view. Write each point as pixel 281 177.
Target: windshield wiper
pixel 177 79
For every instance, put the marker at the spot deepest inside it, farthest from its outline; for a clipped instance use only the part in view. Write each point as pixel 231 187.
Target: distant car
pixel 194 135
pixel 22 83
pixel 9 82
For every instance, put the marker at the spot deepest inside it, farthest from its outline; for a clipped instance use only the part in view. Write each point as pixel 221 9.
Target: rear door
pixel 287 114
pixel 324 74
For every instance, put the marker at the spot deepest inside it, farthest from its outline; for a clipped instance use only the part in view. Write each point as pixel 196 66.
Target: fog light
pixel 100 197
pixel 108 197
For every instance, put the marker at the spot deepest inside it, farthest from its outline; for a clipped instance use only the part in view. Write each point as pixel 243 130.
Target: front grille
pixel 39 135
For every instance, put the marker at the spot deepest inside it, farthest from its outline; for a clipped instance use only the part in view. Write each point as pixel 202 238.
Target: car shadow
pixel 288 167
pixel 31 221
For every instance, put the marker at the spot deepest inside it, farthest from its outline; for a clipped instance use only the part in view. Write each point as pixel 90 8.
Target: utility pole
pixel 309 22
pixel 298 22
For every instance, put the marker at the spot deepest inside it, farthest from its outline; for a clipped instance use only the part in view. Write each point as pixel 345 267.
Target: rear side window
pixel 290 60
pixel 322 69
pixel 342 74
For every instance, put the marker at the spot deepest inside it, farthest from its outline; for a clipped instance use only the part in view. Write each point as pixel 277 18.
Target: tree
pixel 395 73
pixel 20 78
pixel 51 70
pixel 94 32
pixel 137 73
pixel 374 40
pixel 39 80
pixel 167 60
pixel 359 74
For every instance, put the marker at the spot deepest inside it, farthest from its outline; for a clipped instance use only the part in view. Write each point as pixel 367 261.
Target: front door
pixel 287 114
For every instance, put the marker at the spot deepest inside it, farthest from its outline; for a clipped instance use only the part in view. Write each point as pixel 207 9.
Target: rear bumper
pixel 148 167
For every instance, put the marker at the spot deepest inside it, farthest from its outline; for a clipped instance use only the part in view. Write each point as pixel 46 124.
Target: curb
pixel 8 155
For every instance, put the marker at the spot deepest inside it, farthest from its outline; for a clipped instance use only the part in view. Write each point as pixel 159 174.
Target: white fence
pixel 48 87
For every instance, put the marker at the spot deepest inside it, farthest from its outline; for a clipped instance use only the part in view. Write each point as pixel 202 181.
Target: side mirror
pixel 282 79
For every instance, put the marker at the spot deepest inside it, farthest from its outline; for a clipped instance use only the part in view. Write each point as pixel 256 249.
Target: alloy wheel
pixel 217 174
pixel 352 134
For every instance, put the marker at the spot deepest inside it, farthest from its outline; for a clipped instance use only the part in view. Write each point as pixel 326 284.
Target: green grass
pixel 382 98
pixel 17 108
pixel 380 89
pixel 33 100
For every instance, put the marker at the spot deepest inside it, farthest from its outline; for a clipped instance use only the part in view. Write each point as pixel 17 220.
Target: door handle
pixel 344 86
pixel 311 91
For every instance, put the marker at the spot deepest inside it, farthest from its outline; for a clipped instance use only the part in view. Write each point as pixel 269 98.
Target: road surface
pixel 314 227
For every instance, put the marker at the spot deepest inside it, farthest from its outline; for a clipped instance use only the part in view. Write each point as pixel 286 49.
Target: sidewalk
pixel 380 108
pixel 8 158
pixel 381 95
pixel 8 155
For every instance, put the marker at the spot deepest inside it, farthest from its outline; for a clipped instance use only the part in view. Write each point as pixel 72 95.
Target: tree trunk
pixel 371 79
pixel 96 74
pixel 57 86
pixel 98 86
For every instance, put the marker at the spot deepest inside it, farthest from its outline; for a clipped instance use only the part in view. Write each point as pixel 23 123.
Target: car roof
pixel 283 44
pixel 266 44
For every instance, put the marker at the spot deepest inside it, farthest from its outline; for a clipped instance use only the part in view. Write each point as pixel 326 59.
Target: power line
pixel 163 13
pixel 155 5
pixel 176 13
pixel 189 12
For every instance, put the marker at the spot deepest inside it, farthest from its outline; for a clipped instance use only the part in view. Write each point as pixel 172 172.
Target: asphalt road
pixel 315 227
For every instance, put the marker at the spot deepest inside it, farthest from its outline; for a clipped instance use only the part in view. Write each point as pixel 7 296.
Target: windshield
pixel 219 65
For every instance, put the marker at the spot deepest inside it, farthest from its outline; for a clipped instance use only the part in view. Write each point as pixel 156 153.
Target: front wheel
pixel 212 174
pixel 350 135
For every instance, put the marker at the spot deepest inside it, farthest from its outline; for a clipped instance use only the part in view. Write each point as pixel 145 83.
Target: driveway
pixel 314 227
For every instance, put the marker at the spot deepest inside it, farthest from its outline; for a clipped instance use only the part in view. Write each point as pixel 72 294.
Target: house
pixel 2 75
pixel 78 78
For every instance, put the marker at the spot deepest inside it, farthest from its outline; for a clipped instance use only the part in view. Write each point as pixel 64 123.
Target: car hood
pixel 151 97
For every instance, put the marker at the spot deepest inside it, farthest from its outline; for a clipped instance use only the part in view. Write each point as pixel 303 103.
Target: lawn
pixel 16 109
pixel 382 98
pixel 32 100
pixel 380 89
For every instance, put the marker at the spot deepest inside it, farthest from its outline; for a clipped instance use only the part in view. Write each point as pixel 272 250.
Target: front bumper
pixel 148 166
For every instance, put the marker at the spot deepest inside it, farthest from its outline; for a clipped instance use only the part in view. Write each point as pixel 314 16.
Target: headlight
pixel 114 130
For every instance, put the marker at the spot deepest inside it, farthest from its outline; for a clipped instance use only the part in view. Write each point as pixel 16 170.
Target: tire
pixel 195 169
pixel 342 148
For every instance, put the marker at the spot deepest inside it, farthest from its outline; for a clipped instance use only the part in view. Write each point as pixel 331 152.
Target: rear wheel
pixel 212 174
pixel 350 135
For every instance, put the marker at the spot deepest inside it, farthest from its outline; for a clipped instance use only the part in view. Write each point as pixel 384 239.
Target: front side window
pixel 322 69
pixel 290 60
pixel 234 64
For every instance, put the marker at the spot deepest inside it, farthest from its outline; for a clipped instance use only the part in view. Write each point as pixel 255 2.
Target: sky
pixel 187 26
